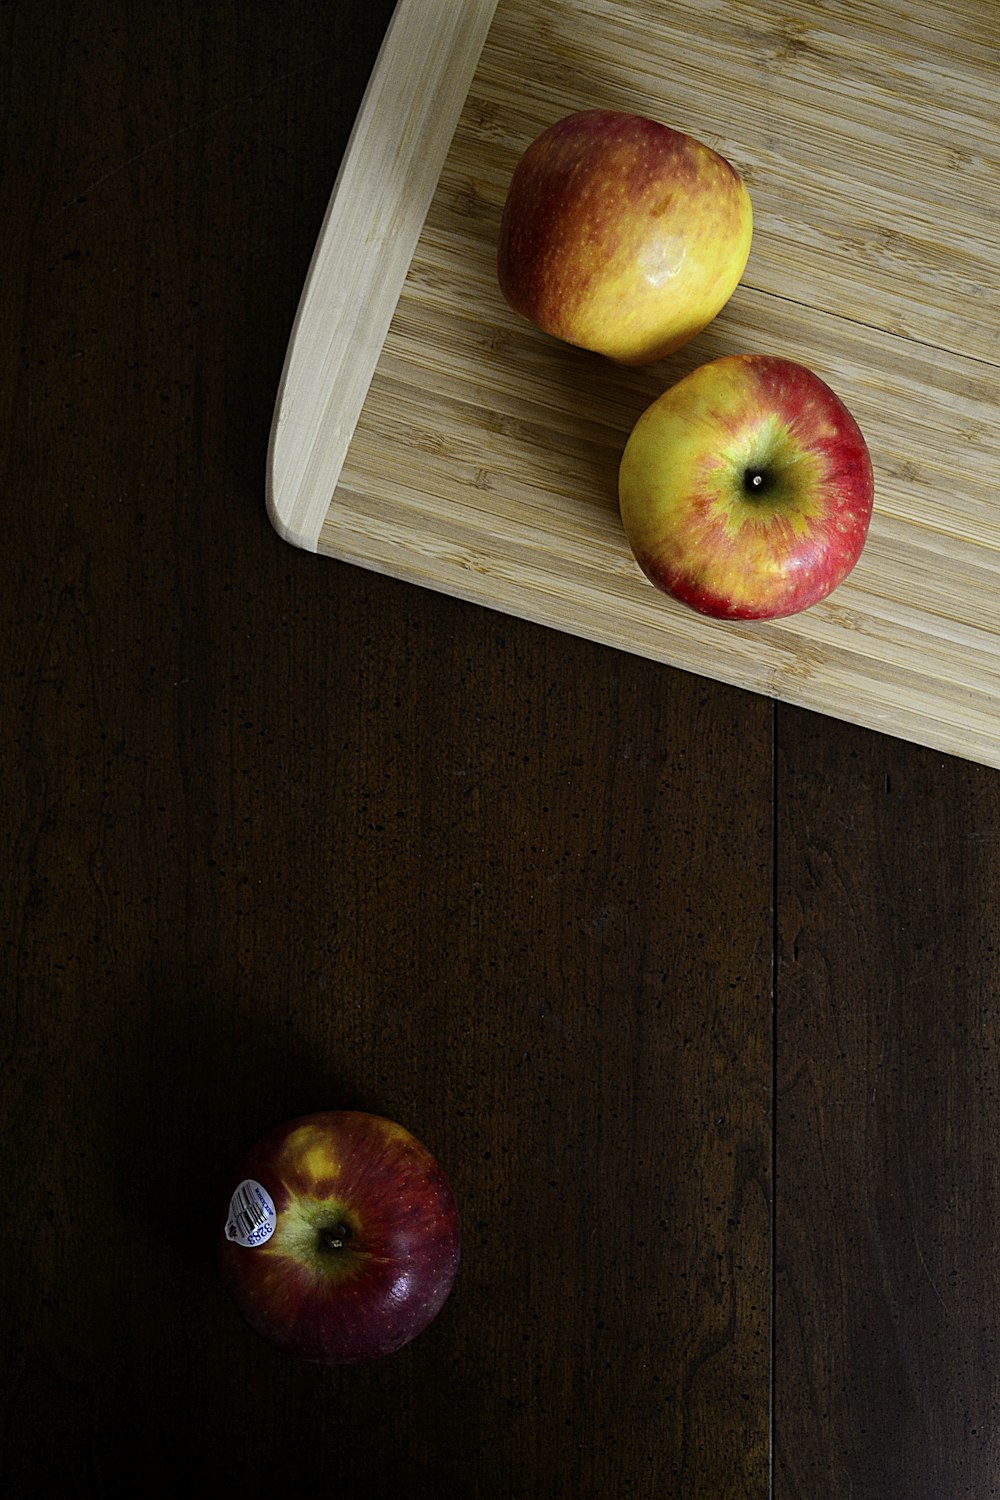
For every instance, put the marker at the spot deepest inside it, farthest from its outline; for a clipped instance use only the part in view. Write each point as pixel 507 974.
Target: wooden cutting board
pixel 423 430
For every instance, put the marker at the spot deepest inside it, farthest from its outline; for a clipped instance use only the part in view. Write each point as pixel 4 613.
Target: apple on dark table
pixel 339 1237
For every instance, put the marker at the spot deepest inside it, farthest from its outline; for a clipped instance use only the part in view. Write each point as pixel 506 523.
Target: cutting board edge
pixel 407 118
pixel 936 736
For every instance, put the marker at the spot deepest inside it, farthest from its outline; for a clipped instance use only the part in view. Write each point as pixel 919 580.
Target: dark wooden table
pixel 694 996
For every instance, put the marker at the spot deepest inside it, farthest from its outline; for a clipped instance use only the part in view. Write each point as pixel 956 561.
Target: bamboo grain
pixel 375 214
pixel 483 460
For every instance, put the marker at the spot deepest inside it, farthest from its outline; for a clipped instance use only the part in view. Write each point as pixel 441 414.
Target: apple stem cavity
pixel 756 482
pixel 335 1236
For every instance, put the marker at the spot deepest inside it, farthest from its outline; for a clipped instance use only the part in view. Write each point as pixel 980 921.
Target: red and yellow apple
pixel 746 489
pixel 621 235
pixel 339 1237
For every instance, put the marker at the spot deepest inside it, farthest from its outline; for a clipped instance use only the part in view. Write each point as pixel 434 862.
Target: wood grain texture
pixel 888 1024
pixel 484 462
pixel 610 1136
pixel 283 834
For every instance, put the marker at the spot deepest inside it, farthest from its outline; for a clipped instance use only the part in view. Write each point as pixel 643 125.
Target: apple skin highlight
pixel 621 235
pixel 366 1243
pixel 746 489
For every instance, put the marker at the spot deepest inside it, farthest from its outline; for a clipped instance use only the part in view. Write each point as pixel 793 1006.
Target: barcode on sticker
pixel 251 1215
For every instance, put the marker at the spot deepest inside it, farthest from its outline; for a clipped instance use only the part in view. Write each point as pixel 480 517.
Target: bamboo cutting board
pixel 423 430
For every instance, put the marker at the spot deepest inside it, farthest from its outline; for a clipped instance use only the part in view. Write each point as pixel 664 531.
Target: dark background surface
pixel 694 996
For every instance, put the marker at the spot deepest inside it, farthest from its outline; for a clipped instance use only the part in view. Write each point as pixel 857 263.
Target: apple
pixel 338 1237
pixel 621 235
pixel 746 489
